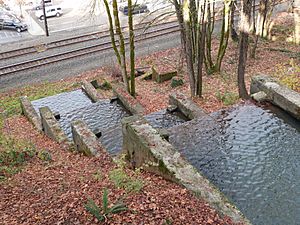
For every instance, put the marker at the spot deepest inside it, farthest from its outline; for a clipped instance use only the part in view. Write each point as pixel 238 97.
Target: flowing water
pixel 64 102
pixel 102 116
pixel 165 119
pixel 252 155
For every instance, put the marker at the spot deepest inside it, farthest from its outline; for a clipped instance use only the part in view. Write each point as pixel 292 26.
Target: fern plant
pixel 102 214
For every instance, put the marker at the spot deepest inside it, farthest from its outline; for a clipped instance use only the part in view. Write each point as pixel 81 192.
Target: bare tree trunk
pixel 179 15
pixel 225 34
pixel 234 35
pixel 296 10
pixel 209 31
pixel 243 46
pixel 201 51
pixel 252 54
pixel 131 38
pixel 111 32
pixel 122 45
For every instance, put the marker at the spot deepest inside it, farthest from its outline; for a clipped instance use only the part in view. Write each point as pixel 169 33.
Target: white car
pixel 50 11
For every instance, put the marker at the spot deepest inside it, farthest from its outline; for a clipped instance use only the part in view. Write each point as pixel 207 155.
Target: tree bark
pixel 131 38
pixel 122 45
pixel 111 32
pixel 243 46
pixel 233 33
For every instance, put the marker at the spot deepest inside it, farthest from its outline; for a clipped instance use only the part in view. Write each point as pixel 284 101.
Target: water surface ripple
pixel 252 156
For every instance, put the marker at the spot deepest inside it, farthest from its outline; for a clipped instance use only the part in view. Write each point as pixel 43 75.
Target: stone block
pixel 186 105
pixel 30 113
pixel 52 128
pixel 129 102
pixel 91 91
pixel 277 94
pixel 260 96
pixel 160 77
pixel 85 140
pixel 145 147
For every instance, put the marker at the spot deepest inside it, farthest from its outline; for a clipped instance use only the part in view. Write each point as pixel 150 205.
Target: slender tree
pixel 243 46
pixel 191 15
pixel 210 64
pixel 233 33
pixel 296 11
pixel 131 42
pixel 119 44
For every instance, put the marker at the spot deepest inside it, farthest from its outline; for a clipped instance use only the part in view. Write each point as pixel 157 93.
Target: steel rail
pixel 26 65
pixel 71 41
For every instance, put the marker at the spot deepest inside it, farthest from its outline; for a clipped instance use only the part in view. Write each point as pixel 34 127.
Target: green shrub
pixel 176 82
pixel 102 213
pixel 228 98
pixel 106 85
pixel 44 155
pixel 13 154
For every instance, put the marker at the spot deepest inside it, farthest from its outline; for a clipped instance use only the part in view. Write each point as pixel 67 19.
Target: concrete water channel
pixel 250 153
pixel 102 117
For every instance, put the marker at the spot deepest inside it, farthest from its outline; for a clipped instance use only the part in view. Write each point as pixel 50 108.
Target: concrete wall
pixel 30 113
pixel 145 147
pixel 52 128
pixel 276 93
pixel 186 105
pixel 85 140
pixel 129 102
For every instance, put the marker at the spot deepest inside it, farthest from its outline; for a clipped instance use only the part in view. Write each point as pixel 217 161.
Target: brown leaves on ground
pixel 55 193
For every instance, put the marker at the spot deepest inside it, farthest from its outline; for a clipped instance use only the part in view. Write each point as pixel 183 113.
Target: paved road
pixel 8 35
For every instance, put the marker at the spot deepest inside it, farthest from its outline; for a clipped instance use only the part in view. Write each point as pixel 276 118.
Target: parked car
pixel 13 24
pixel 138 8
pixel 50 12
pixel 40 5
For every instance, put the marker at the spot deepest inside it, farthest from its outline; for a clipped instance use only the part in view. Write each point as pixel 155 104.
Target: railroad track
pixel 30 64
pixel 34 63
pixel 70 41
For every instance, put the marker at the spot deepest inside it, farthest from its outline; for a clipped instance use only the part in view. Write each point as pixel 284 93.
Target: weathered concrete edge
pixel 85 140
pixel 30 113
pixel 145 147
pixel 52 128
pixel 129 102
pixel 186 106
pixel 277 94
pixel 90 90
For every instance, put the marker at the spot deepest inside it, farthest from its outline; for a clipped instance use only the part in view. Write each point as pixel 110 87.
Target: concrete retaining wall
pixel 160 77
pixel 277 94
pixel 145 147
pixel 52 128
pixel 30 113
pixel 85 140
pixel 186 105
pixel 129 102
pixel 90 90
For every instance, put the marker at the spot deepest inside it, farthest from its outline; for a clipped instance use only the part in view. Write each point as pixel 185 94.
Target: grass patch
pixel 122 180
pixel 13 155
pixel 228 98
pixel 289 75
pixel 10 102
